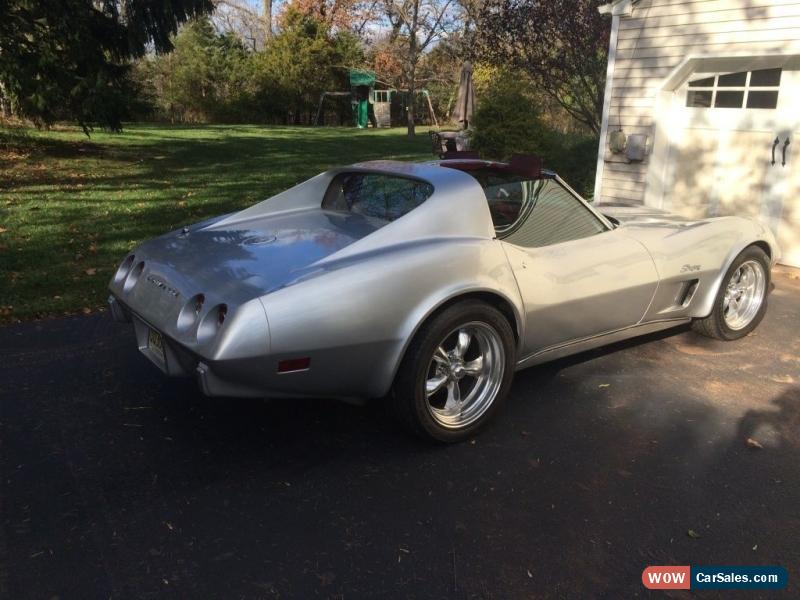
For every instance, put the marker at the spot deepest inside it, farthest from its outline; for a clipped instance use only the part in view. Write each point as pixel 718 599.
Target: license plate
pixel 155 343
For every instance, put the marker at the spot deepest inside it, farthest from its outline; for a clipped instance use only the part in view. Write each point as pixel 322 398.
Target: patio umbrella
pixel 466 96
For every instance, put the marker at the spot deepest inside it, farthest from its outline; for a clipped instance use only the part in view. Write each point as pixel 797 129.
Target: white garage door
pixel 735 150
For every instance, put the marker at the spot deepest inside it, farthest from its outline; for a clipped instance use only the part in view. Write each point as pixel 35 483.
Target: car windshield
pixel 375 195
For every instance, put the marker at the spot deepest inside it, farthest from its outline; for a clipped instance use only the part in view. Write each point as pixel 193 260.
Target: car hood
pixel 640 215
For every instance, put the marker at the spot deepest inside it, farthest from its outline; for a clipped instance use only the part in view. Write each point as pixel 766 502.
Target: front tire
pixel 456 372
pixel 742 298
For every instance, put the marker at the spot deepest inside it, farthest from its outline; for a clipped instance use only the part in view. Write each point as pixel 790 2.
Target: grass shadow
pixel 71 207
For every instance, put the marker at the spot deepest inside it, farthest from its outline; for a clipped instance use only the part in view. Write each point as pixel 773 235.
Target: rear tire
pixel 456 372
pixel 741 300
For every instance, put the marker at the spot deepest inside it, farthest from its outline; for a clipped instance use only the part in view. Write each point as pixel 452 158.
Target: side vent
pixel 687 292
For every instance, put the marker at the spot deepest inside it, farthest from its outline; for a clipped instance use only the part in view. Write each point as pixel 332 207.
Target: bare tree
pixel 350 15
pixel 419 24
pixel 243 19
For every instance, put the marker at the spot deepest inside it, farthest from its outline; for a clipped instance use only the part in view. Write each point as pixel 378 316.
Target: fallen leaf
pixel 87 311
pixel 530 575
pixel 91 271
pixel 751 443
pixel 693 534
pixel 3 229
pixel 604 385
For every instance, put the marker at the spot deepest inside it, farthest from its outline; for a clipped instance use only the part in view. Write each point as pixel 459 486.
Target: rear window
pixel 375 195
pixel 507 195
pixel 535 211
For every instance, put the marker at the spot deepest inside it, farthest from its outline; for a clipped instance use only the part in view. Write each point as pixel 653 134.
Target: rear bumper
pixel 213 385
pixel 178 361
pixel 175 361
pixel 343 372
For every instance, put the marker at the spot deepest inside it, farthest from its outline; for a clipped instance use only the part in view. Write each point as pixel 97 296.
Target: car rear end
pixel 189 329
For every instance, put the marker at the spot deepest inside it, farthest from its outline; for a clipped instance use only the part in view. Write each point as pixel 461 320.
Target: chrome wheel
pixel 744 295
pixel 464 375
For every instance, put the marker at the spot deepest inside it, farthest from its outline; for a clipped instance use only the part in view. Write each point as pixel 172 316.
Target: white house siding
pixel 657 37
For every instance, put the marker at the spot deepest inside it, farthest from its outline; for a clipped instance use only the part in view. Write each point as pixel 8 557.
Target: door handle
pixel 775 145
pixel 785 145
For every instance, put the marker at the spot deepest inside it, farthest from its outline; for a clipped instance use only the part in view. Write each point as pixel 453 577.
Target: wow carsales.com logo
pixel 713 577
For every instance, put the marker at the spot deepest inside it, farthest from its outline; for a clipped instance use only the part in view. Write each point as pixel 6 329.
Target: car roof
pixel 438 171
pixel 480 162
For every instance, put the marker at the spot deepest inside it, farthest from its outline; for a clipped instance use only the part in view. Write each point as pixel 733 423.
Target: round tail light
pixel 133 277
pixel 190 312
pixel 124 268
pixel 211 323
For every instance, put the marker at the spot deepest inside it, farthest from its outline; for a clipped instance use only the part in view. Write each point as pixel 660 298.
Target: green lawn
pixel 71 207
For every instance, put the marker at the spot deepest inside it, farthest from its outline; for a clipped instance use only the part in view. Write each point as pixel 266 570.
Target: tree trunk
pixel 5 103
pixel 267 15
pixel 411 77
pixel 411 113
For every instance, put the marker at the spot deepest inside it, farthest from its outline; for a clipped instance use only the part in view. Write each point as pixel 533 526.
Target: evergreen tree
pixel 70 59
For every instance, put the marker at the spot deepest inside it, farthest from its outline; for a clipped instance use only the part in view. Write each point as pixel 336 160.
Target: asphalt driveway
pixel 119 483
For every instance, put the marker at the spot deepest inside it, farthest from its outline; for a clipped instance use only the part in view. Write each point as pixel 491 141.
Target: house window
pixel 745 89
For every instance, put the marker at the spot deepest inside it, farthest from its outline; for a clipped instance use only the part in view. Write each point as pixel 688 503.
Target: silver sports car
pixel 428 285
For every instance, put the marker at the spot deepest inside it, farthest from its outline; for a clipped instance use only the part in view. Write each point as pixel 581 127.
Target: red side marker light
pixel 294 364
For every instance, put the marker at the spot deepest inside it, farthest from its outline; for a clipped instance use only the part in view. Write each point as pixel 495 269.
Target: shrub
pixel 509 119
pixel 574 157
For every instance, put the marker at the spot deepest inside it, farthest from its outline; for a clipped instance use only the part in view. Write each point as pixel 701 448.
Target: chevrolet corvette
pixel 428 285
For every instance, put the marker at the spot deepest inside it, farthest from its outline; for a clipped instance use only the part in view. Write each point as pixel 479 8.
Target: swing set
pixel 376 107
